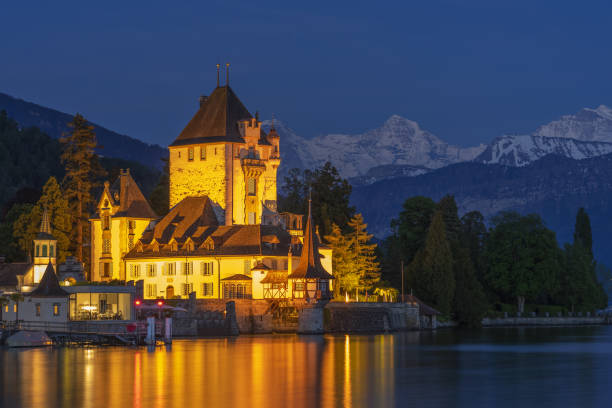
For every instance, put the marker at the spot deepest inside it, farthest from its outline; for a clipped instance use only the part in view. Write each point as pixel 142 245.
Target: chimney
pixel 203 98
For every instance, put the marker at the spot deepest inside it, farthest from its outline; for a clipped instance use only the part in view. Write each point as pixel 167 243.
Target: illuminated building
pixel 223 236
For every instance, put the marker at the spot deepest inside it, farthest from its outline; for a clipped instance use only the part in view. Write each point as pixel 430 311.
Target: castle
pixel 223 236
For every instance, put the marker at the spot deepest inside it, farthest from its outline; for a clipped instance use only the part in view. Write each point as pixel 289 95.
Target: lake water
pixel 515 367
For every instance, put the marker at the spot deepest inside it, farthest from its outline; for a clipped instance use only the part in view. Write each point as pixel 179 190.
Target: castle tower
pixel 45 248
pixel 224 154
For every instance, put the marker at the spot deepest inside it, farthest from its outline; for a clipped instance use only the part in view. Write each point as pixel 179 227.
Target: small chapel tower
pixel 45 248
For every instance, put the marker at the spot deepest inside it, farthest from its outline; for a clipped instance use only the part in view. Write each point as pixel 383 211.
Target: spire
pixel 310 263
pixel 49 285
pixel 218 66
pixel 227 74
pixel 45 225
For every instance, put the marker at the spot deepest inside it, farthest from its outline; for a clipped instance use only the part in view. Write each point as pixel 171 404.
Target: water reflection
pixel 445 368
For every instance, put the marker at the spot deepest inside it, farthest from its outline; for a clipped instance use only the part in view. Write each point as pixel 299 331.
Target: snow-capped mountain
pixel 398 142
pixel 586 125
pixel 521 150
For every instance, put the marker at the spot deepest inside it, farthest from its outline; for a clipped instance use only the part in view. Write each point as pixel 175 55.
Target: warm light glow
pixel 89 308
pixel 346 299
pixel 160 303
pixel 66 282
pixel 137 302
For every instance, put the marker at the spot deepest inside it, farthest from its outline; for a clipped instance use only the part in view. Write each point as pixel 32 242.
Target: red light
pixel 137 302
pixel 160 303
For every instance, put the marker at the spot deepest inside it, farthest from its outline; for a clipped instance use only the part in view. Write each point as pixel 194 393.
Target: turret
pixel 45 248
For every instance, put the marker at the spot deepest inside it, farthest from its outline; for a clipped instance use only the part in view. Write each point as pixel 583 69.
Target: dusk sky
pixel 466 70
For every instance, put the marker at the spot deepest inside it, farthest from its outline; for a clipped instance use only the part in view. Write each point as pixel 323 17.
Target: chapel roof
pixel 49 285
pixel 126 194
pixel 10 271
pixel 310 260
pixel 216 120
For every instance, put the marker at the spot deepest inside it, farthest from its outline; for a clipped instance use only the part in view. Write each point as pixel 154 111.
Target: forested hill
pixel 29 157
pixel 554 187
pixel 54 124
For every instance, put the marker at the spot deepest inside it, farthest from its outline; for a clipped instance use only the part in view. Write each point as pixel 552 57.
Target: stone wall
pixel 370 317
pixel 542 321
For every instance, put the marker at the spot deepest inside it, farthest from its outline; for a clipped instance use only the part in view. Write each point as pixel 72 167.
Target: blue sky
pixel 466 70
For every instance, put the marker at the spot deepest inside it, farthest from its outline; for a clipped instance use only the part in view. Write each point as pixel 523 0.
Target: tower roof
pixel 216 120
pixel 49 285
pixel 310 260
pixel 45 226
pixel 132 203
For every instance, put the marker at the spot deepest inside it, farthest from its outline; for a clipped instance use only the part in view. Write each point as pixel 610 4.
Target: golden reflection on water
pixel 262 371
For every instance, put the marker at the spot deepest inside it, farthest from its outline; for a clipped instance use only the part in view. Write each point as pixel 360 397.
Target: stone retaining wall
pixel 543 321
pixel 370 317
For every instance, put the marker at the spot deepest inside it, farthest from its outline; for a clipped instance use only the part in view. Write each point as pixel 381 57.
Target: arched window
pixel 51 254
pixel 44 250
pixel 37 250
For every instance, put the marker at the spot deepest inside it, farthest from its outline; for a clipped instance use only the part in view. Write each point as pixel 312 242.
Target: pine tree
pixel 432 268
pixel 82 171
pixel 470 302
pixel 448 207
pixel 582 231
pixel 365 254
pixel 343 261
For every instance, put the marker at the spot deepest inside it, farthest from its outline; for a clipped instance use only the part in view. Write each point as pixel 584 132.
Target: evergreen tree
pixel 448 207
pixel 330 197
pixel 412 226
pixel 160 196
pixel 470 302
pixel 343 261
pixel 582 231
pixel 82 170
pixel 432 268
pixel 473 236
pixel 27 226
pixel 15 232
pixel 365 254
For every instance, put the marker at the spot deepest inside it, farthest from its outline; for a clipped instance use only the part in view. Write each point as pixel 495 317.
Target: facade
pixel 223 236
pixel 123 213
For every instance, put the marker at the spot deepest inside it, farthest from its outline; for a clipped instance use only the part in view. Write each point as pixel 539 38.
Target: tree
pixel 523 259
pixel 412 225
pixel 15 244
pixel 473 236
pixel 27 226
pixel 330 197
pixel 82 170
pixel 160 196
pixel 448 207
pixel 366 264
pixel 431 269
pixel 582 231
pixel 343 261
pixel 470 303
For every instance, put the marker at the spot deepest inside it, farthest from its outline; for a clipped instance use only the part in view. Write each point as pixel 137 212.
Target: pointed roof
pixel 216 120
pixel 132 203
pixel 45 226
pixel 49 285
pixel 310 260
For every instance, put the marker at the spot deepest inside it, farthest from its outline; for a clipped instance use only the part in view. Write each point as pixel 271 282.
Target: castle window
pixel 151 270
pixel 206 268
pixel 130 241
pixel 251 219
pixel 38 309
pixel 106 246
pixel 106 222
pixel 247 267
pixel 56 309
pixel 44 250
pixel 202 152
pixel 151 290
pixel 187 288
pixel 251 187
pixel 215 151
pixel 51 251
pixel 131 225
pixel 37 250
pixel 135 271
pixel 187 268
pixel 190 154
pixel 106 270
pixel 207 289
pixel 170 269
pixel 15 308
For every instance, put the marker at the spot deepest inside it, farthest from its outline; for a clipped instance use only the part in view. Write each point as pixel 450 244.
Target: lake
pixel 513 367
